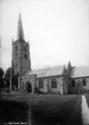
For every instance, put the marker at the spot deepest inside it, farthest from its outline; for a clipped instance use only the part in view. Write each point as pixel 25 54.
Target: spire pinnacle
pixel 20 33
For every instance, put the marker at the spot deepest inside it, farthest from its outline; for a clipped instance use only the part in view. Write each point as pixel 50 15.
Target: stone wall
pixel 31 80
pixel 47 88
pixel 47 85
pixel 79 87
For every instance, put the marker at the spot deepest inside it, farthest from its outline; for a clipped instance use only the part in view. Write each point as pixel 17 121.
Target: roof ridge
pixel 81 66
pixel 61 66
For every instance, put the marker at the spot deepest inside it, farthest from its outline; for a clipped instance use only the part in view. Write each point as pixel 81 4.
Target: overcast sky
pixel 57 30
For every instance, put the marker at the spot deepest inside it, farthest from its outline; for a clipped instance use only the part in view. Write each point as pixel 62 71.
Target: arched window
pixel 16 55
pixel 53 83
pixel 73 83
pixel 16 48
pixel 41 83
pixel 84 82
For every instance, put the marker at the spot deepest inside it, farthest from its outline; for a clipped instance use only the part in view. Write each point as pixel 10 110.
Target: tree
pixel 1 73
pixel 7 76
pixel 1 77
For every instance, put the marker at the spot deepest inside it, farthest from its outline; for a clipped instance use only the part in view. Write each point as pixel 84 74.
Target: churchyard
pixel 41 109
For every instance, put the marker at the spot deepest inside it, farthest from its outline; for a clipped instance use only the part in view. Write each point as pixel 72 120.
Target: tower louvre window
pixel 25 48
pixel 25 56
pixel 53 83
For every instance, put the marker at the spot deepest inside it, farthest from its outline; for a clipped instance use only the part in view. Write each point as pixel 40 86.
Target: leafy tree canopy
pixel 1 73
pixel 8 73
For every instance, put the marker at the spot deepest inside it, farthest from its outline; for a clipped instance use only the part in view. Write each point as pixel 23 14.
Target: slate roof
pixel 52 71
pixel 82 71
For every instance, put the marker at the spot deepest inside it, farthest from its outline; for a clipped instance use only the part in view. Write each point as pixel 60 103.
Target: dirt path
pixel 85 111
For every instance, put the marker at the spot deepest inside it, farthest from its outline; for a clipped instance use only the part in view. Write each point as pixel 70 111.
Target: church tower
pixel 20 56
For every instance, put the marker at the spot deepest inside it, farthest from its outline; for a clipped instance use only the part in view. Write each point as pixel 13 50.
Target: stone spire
pixel 20 33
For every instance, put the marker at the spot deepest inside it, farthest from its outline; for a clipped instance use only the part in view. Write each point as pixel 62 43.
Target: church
pixel 62 79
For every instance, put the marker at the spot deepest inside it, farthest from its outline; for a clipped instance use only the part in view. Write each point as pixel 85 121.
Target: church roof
pixel 82 71
pixel 52 71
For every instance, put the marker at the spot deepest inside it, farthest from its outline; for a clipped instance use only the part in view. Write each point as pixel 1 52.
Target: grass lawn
pixel 45 109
